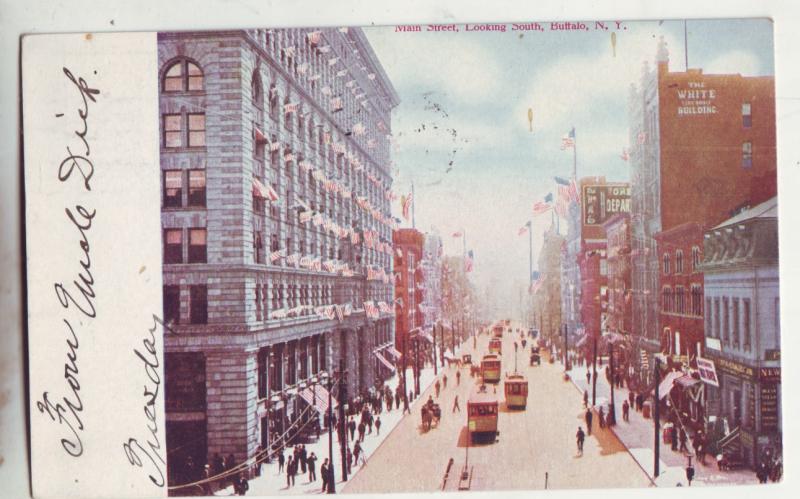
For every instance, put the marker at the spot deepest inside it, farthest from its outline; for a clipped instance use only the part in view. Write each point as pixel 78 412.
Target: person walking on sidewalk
pixel 312 470
pixel 378 425
pixel 625 410
pixel 588 377
pixel 456 407
pixel 458 378
pixel 683 438
pixel 673 438
pixel 351 427
pixel 580 437
pixel 289 472
pixel 361 429
pixel 437 387
pixel 601 417
pixel 444 381
pixel 588 417
pixel 630 398
pixel 281 460
pixel 586 398
pixel 323 471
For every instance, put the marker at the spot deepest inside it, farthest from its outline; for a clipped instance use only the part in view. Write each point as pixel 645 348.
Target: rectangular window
pixel 197 245
pixel 172 130
pixel 172 304
pixel 747 155
pixel 747 117
pixel 709 330
pixel 198 304
pixel 173 188
pixel 197 130
pixel 197 187
pixel 746 323
pixel 717 330
pixel 726 320
pixel 736 319
pixel 173 246
pixel 258 302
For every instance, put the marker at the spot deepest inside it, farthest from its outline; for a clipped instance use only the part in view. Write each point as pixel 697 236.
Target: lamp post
pixel 435 367
pixel 342 422
pixel 612 416
pixel 332 481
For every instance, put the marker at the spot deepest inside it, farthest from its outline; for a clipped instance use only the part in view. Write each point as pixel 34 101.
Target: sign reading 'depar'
pixel 602 201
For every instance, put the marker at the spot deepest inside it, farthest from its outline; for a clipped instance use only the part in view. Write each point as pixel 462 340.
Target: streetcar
pixel 490 368
pixel 516 390
pixel 496 346
pixel 497 330
pixel 482 409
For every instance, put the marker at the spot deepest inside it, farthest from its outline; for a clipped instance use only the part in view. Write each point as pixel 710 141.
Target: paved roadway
pixel 531 443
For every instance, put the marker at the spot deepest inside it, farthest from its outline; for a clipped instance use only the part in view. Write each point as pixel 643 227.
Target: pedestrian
pixel 588 417
pixel 586 398
pixel 762 473
pixel 601 417
pixel 303 458
pixel 351 427
pixel 190 471
pixel 217 464
pixel 630 398
pixel 323 471
pixel 350 460
pixel 361 429
pixel 580 436
pixel 378 425
pixel 356 452
pixel 369 423
pixel 281 460
pixel 240 487
pixel 639 402
pixel 683 439
pixel 456 407
pixel 437 387
pixel 673 437
pixel 205 476
pixel 312 470
pixel 397 398
pixel 458 378
pixel 588 377
pixel 625 410
pixel 444 381
pixel 289 475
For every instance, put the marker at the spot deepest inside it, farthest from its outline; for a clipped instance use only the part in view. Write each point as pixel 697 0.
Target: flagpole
pixel 574 155
pixel 413 202
pixel 530 253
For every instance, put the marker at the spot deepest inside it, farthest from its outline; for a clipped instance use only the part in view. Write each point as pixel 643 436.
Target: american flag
pixel 332 61
pixel 341 73
pixel 275 256
pixel 523 230
pixel 468 262
pixel 303 68
pixel 457 234
pixel 336 103
pixel 568 140
pixel 561 207
pixel 625 156
pixel 339 312
pixel 536 284
pixel 359 129
pixel 541 207
pixel 314 37
pixel 407 200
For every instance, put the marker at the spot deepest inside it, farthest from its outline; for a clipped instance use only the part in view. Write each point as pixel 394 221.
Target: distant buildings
pixel 547 299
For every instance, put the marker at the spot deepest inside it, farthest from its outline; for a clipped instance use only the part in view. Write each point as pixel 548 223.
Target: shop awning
pixel 385 362
pixel 427 336
pixel 582 341
pixel 686 381
pixel 317 396
pixel 392 350
pixel 666 384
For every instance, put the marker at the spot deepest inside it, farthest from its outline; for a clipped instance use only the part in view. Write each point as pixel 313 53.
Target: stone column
pixel 232 392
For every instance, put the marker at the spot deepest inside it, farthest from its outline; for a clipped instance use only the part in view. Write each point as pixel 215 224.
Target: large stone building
pixel 277 230
pixel 431 306
pixel 742 324
pixel 691 134
pixel 547 298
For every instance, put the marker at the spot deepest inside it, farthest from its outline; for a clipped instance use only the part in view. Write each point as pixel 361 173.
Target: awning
pixel 582 341
pixel 318 397
pixel 426 335
pixel 392 350
pixel 448 355
pixel 384 361
pixel 264 191
pixel 666 384
pixel 687 381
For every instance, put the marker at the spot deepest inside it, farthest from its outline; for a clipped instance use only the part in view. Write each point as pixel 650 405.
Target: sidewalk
pixel 637 435
pixel 271 482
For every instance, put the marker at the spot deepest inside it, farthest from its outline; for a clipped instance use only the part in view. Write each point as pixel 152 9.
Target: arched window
pixel 257 92
pixel 183 75
pixel 679 262
pixel 273 100
pixel 666 264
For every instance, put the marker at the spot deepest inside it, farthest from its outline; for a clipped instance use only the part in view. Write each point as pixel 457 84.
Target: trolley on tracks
pixel 490 368
pixel 516 390
pixel 482 413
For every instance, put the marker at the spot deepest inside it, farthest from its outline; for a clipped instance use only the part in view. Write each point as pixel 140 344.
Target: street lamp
pixel 331 478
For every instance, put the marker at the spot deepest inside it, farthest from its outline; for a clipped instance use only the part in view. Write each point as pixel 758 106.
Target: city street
pixel 534 446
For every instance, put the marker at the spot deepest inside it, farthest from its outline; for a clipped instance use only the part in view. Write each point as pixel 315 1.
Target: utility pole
pixel 416 365
pixel 594 372
pixel 656 422
pixel 413 203
pixel 612 416
pixel 435 361
pixel 342 422
pixel 331 473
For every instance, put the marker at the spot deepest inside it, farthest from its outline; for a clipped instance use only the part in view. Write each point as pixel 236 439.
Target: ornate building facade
pixel 276 231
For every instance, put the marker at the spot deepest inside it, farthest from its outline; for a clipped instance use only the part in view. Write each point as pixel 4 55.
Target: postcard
pixel 414 258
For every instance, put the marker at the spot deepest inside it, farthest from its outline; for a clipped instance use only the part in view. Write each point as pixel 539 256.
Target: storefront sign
pixel 708 373
pixel 735 369
pixel 185 382
pixel 602 201
pixel 746 439
pixel 772 354
pixel 696 100
pixel 769 374
pixel 769 407
pixel 713 343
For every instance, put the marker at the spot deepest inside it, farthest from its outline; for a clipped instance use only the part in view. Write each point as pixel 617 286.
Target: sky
pixel 461 132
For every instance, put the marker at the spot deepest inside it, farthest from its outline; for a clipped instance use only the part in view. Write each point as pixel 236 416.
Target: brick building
pixel 618 258
pixel 409 295
pixel 277 230
pixel 692 134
